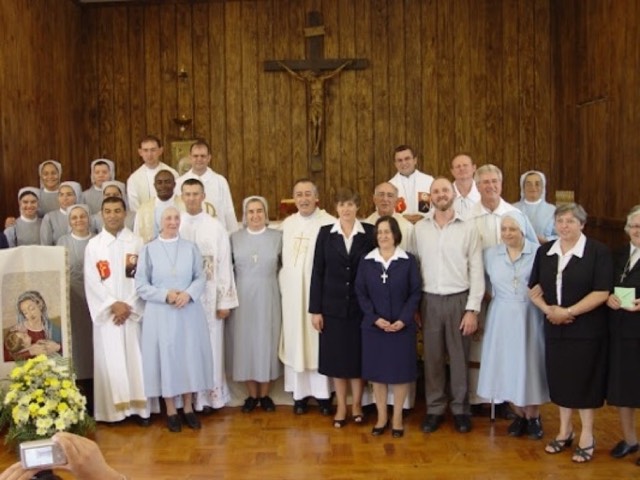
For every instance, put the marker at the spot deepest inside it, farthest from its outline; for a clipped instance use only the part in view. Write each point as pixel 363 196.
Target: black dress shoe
pixel 377 431
pixel 622 449
pixel 397 432
pixel 534 428
pixel 192 421
pixel 518 427
pixel 207 410
pixel 326 408
pixel 174 424
pixel 142 421
pixel 250 404
pixel 300 407
pixel 431 423
pixel 462 423
pixel 503 410
pixel 267 404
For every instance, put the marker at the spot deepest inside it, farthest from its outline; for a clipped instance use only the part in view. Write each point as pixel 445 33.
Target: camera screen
pixel 39 456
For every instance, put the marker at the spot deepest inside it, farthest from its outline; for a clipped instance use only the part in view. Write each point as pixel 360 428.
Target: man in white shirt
pixel 116 312
pixel 385 197
pixel 413 186
pixel 140 183
pixel 299 340
pixel 147 222
pixel 467 194
pixel 216 186
pixel 453 284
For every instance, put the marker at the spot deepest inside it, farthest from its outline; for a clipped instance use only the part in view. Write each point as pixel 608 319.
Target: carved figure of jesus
pixel 316 84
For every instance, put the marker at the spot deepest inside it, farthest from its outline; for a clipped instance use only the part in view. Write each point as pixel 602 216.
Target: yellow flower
pixel 62 407
pixel 43 412
pixel 66 384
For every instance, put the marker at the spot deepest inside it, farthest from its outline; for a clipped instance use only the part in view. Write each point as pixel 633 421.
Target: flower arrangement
pixel 43 399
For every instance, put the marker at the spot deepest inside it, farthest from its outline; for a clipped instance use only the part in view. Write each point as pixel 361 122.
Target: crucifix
pixel 314 71
pixel 300 244
pixel 384 276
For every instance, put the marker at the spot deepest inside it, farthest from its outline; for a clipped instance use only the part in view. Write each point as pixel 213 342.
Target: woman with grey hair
pixel 253 331
pixel 81 325
pixel 570 282
pixel 533 189
pixel 624 341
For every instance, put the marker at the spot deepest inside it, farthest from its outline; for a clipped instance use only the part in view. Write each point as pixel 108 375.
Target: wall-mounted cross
pixel 314 71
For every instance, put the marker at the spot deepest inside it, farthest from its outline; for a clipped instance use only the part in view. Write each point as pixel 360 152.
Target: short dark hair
pixel 192 181
pixel 402 148
pixel 119 200
pixel 393 225
pixel 347 195
pixel 150 138
pixel 163 170
pixel 200 142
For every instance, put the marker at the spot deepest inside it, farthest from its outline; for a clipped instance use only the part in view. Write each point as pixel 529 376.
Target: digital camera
pixel 41 454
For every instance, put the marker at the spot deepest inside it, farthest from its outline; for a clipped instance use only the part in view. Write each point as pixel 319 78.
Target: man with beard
pixel 147 223
pixel 299 340
pixel 453 285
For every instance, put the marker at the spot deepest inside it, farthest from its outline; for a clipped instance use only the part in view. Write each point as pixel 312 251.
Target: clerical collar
pixel 410 175
pixel 152 169
pixel 252 232
pixel 29 220
pixel 64 211
pixel 166 203
pixel 533 203
pixel 77 237
pixel 169 240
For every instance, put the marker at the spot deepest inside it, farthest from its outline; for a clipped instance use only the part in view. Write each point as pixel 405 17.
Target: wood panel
pixel 503 79
pixel 282 446
pixel 40 86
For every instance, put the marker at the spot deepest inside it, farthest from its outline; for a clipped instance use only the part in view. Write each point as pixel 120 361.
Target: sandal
pixel 584 455
pixel 339 423
pixel 557 446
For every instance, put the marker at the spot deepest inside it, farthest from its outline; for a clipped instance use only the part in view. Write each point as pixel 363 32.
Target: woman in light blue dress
pixel 533 190
pixel 512 367
pixel 176 350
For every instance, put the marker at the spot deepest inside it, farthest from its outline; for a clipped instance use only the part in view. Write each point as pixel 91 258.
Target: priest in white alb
pixel 140 186
pixel 116 312
pixel 216 186
pixel 299 340
pixel 220 294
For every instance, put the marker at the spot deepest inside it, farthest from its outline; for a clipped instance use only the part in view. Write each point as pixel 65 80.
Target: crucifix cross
pixel 314 71
pixel 384 276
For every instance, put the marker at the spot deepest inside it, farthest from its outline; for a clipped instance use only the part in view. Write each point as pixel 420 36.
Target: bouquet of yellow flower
pixel 43 399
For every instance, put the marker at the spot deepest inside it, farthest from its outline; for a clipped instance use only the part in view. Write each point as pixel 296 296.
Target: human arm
pixel 84 458
pixel 316 290
pixel 226 291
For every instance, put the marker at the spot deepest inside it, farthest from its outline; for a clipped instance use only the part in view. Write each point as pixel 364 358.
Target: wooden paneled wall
pixel 519 83
pixel 444 76
pixel 40 92
pixel 598 105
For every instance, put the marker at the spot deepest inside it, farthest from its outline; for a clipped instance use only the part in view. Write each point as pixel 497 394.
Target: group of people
pixel 515 304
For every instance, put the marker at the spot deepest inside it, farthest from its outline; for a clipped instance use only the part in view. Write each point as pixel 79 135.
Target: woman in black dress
pixel 333 303
pixel 624 342
pixel 389 290
pixel 570 282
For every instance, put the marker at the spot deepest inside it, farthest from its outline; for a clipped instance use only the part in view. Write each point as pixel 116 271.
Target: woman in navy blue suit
pixel 334 305
pixel 388 286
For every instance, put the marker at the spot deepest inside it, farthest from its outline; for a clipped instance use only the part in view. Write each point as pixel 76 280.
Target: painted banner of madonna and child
pixel 34 295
